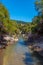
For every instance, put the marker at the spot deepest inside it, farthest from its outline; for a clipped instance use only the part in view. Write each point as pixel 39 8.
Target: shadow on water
pixel 29 59
pixel 39 57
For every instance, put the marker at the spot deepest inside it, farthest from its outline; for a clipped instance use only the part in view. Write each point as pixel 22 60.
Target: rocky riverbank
pixel 5 40
pixel 37 46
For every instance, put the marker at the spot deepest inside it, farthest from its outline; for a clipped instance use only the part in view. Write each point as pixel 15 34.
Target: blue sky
pixel 23 10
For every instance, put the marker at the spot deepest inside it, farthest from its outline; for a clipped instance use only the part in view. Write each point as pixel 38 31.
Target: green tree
pixel 39 6
pixel 37 23
pixel 4 16
pixel 3 11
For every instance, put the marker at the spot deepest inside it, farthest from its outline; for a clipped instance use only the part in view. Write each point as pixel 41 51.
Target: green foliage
pixel 3 11
pixel 10 26
pixel 26 28
pixel 37 22
pixel 39 6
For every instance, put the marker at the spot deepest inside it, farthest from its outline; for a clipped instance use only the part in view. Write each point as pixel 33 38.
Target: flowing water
pixel 18 54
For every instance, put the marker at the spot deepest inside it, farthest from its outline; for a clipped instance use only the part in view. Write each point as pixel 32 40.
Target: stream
pixel 18 54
